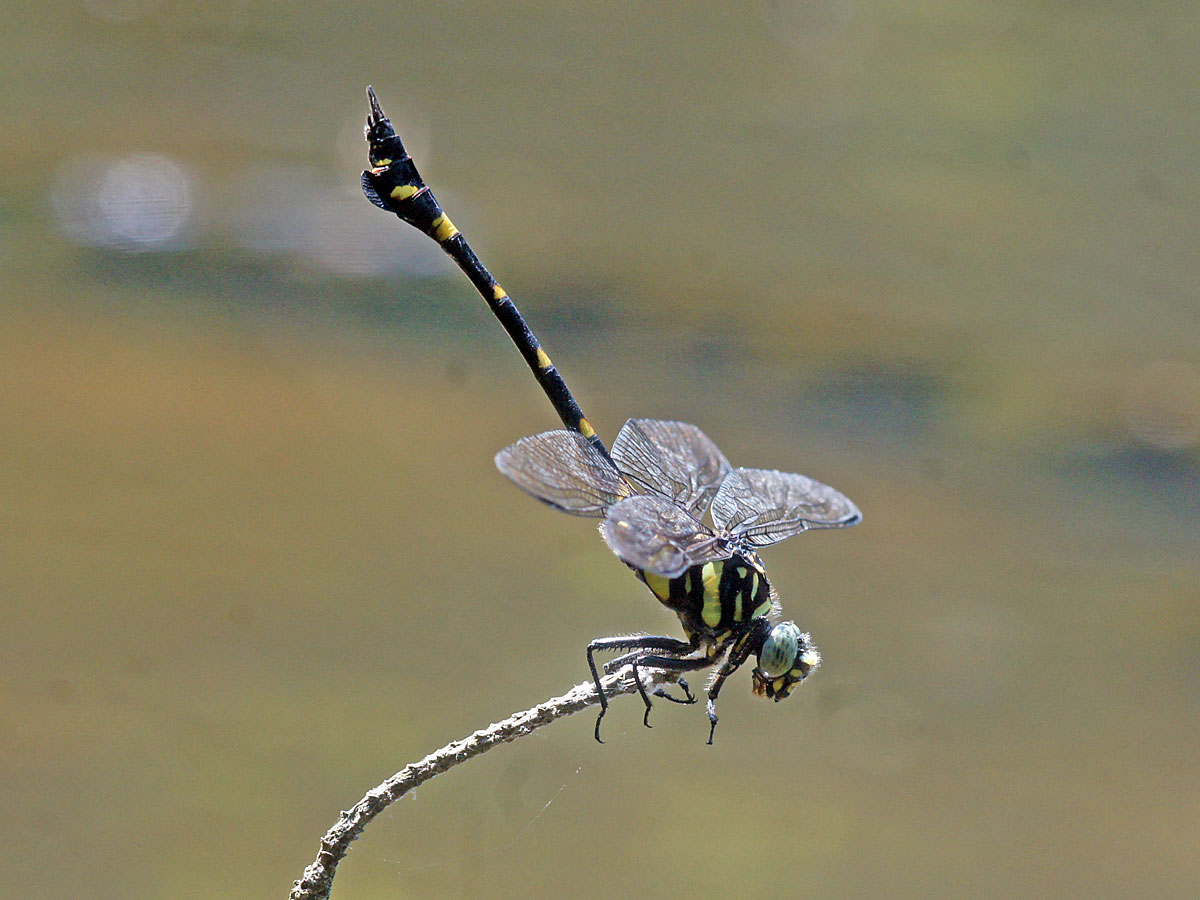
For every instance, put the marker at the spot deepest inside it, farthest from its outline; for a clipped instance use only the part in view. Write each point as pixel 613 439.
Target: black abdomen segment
pixel 394 184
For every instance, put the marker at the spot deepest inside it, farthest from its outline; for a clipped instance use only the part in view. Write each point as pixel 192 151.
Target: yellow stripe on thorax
pixel 660 585
pixel 710 577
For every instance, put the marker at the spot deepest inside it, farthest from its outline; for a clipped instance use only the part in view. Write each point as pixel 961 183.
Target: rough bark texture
pixel 317 880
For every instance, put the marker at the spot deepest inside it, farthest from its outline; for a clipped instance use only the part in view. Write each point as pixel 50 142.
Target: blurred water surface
pixel 256 556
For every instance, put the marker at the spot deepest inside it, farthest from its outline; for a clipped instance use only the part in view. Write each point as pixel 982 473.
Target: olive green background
pixel 256 557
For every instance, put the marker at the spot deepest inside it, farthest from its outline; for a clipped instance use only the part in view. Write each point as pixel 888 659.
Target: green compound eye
pixel 779 650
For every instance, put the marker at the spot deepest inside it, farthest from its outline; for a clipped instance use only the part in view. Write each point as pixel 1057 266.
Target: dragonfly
pixel 671 506
pixel 689 525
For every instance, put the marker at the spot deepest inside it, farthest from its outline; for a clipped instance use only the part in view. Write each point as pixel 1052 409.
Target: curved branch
pixel 317 880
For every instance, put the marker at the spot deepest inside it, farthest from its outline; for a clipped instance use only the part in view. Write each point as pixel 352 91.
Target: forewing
pixel 562 468
pixel 763 506
pixel 674 459
pixel 652 533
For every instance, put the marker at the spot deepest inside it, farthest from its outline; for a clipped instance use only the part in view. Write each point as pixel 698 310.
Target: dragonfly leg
pixel 638 647
pixel 737 656
pixel 668 664
pixel 688 696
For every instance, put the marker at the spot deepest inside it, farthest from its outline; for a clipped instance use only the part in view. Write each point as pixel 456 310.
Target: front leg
pixel 737 656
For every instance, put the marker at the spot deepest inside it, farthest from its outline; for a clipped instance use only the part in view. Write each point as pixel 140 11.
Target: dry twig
pixel 317 880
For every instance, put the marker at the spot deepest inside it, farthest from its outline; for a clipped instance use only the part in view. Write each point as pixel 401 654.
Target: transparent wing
pixel 563 469
pixel 652 533
pixel 674 459
pixel 764 507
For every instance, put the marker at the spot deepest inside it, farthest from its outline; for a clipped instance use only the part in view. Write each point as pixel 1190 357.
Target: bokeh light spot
pixel 137 203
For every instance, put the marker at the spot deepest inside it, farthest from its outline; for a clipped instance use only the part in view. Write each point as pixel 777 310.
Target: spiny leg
pixel 669 645
pixel 668 664
pixel 688 697
pixel 737 656
pixel 638 646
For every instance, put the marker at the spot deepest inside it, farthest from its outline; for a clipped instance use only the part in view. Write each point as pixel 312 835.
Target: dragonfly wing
pixel 563 469
pixel 763 506
pixel 652 533
pixel 673 459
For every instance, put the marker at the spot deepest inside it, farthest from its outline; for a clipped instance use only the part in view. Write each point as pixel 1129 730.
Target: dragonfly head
pixel 786 657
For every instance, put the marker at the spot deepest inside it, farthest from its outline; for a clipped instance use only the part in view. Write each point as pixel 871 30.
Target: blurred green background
pixel 256 556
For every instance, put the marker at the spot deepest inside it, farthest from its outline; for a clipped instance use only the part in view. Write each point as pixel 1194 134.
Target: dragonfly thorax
pixel 715 598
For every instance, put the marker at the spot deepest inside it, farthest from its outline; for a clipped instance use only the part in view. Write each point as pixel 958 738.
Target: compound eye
pixel 779 650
